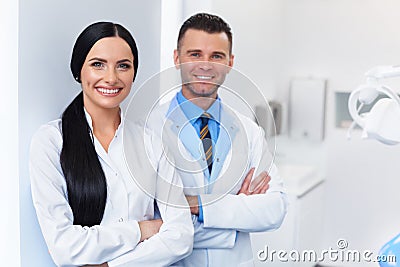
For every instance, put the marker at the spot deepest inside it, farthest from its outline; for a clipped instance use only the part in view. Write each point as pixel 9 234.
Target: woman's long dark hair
pixel 85 178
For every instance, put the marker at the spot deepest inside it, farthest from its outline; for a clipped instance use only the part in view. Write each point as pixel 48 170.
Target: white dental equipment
pixel 382 122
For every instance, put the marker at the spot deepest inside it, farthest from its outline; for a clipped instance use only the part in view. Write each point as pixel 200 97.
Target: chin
pixel 209 92
pixel 109 104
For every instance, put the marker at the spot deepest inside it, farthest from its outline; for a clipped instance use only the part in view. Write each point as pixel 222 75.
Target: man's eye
pixel 217 57
pixel 195 54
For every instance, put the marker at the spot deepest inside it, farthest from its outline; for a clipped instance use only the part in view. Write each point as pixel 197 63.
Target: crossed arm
pixel 147 229
pixel 247 188
pixel 259 205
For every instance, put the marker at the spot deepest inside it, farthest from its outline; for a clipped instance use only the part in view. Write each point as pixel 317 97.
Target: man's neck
pixel 204 102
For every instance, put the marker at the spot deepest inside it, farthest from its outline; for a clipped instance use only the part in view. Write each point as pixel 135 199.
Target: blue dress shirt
pixel 193 112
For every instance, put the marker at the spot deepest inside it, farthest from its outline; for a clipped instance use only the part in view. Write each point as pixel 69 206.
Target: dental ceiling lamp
pixel 382 122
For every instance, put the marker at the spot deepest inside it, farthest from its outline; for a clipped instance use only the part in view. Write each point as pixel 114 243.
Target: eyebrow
pixel 193 51
pixel 103 60
pixel 199 51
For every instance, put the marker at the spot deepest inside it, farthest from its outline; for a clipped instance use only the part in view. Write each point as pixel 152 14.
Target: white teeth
pixel 204 77
pixel 108 91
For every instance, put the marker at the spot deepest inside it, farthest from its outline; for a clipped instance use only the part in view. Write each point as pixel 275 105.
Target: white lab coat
pixel 129 200
pixel 223 239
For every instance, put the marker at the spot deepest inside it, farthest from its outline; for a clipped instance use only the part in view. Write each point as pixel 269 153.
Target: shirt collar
pixel 192 112
pixel 90 121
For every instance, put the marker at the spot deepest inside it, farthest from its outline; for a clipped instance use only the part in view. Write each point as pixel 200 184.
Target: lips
pixel 204 77
pixel 108 92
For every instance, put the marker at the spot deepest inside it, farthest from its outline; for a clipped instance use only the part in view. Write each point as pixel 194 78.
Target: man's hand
pixel 97 265
pixel 149 228
pixel 193 202
pixel 259 185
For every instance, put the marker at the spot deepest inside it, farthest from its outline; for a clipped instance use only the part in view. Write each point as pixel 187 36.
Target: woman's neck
pixel 105 122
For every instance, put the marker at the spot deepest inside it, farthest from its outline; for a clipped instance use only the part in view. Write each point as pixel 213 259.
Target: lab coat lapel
pixel 141 170
pixel 227 133
pixel 183 129
pixel 232 156
pixel 186 150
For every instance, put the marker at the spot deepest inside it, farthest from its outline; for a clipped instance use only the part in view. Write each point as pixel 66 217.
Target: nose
pixel 205 65
pixel 111 76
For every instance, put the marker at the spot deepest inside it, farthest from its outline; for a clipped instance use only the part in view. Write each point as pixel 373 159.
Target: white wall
pixel 171 19
pixel 9 202
pixel 47 32
pixel 257 38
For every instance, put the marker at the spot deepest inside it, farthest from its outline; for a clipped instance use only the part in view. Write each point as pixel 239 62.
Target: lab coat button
pixel 116 174
pixel 121 219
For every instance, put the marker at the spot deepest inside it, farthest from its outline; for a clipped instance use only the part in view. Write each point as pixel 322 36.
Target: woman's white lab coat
pixel 129 200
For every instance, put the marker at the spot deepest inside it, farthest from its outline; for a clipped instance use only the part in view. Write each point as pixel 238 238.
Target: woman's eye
pixel 97 64
pixel 124 66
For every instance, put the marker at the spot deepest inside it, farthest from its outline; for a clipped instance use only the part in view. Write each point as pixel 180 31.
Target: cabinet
pixel 302 228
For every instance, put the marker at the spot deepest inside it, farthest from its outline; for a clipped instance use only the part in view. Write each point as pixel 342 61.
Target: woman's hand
pixel 149 228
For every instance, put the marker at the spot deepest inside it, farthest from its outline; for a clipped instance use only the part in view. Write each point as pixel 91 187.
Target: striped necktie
pixel 205 138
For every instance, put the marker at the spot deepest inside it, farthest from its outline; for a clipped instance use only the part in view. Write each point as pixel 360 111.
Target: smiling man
pixel 216 151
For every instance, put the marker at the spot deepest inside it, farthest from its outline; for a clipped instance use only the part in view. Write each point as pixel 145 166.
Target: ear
pixel 176 59
pixel 230 62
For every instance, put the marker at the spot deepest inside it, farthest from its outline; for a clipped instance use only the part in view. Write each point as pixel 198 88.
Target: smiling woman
pixel 107 73
pixel 106 78
pixel 89 208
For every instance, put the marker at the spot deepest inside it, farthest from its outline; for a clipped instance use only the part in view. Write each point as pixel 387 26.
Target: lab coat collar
pixel 90 121
pixel 98 147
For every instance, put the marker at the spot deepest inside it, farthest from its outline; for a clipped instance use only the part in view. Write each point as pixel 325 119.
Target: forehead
pixel 111 47
pixel 201 40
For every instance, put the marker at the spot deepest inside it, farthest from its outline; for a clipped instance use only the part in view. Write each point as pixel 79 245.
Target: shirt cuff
pixel 200 218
